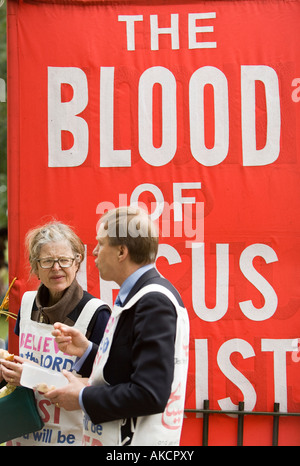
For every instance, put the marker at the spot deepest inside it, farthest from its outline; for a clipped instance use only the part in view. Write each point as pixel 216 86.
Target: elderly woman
pixel 55 254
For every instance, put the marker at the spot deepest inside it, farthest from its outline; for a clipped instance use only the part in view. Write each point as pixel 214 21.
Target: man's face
pixel 106 257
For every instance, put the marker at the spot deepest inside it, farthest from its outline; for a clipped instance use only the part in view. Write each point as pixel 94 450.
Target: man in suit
pixel 137 377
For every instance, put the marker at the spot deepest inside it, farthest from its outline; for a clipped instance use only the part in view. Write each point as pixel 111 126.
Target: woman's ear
pixel 78 261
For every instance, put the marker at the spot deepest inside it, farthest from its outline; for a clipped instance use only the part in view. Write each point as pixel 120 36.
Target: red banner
pixel 191 109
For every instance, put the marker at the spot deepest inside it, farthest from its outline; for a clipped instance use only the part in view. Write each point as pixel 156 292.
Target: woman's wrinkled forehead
pixel 56 248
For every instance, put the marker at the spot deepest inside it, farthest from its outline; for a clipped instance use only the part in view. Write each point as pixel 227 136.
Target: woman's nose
pixel 56 266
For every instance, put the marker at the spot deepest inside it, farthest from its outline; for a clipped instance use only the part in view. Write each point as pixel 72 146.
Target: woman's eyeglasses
pixel 63 262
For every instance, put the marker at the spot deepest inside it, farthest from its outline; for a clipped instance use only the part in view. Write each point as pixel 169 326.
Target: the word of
pixel 184 218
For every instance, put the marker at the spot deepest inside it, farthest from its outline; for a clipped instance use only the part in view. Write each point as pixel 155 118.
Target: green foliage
pixel 3 117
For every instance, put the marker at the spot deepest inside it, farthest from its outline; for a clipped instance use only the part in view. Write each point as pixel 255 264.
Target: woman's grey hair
pixel 51 232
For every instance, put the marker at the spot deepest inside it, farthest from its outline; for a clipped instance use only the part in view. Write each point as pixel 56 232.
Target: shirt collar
pixel 130 281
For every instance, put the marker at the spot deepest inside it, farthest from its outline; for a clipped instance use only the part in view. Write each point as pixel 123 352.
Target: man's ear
pixel 123 252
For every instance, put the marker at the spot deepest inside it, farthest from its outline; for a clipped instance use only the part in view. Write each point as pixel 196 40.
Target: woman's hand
pixel 70 340
pixel 12 371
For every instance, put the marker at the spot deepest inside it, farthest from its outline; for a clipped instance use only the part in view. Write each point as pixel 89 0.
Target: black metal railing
pixel 240 413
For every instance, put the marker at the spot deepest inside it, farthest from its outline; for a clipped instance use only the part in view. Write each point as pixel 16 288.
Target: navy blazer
pixel 140 366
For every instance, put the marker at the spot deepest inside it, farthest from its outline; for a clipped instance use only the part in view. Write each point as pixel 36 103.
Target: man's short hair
pixel 133 227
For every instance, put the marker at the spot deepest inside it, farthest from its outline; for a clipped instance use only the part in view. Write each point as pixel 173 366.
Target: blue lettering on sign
pixel 49 362
pixel 105 344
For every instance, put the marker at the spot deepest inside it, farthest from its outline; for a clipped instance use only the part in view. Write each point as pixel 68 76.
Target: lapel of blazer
pixel 150 274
